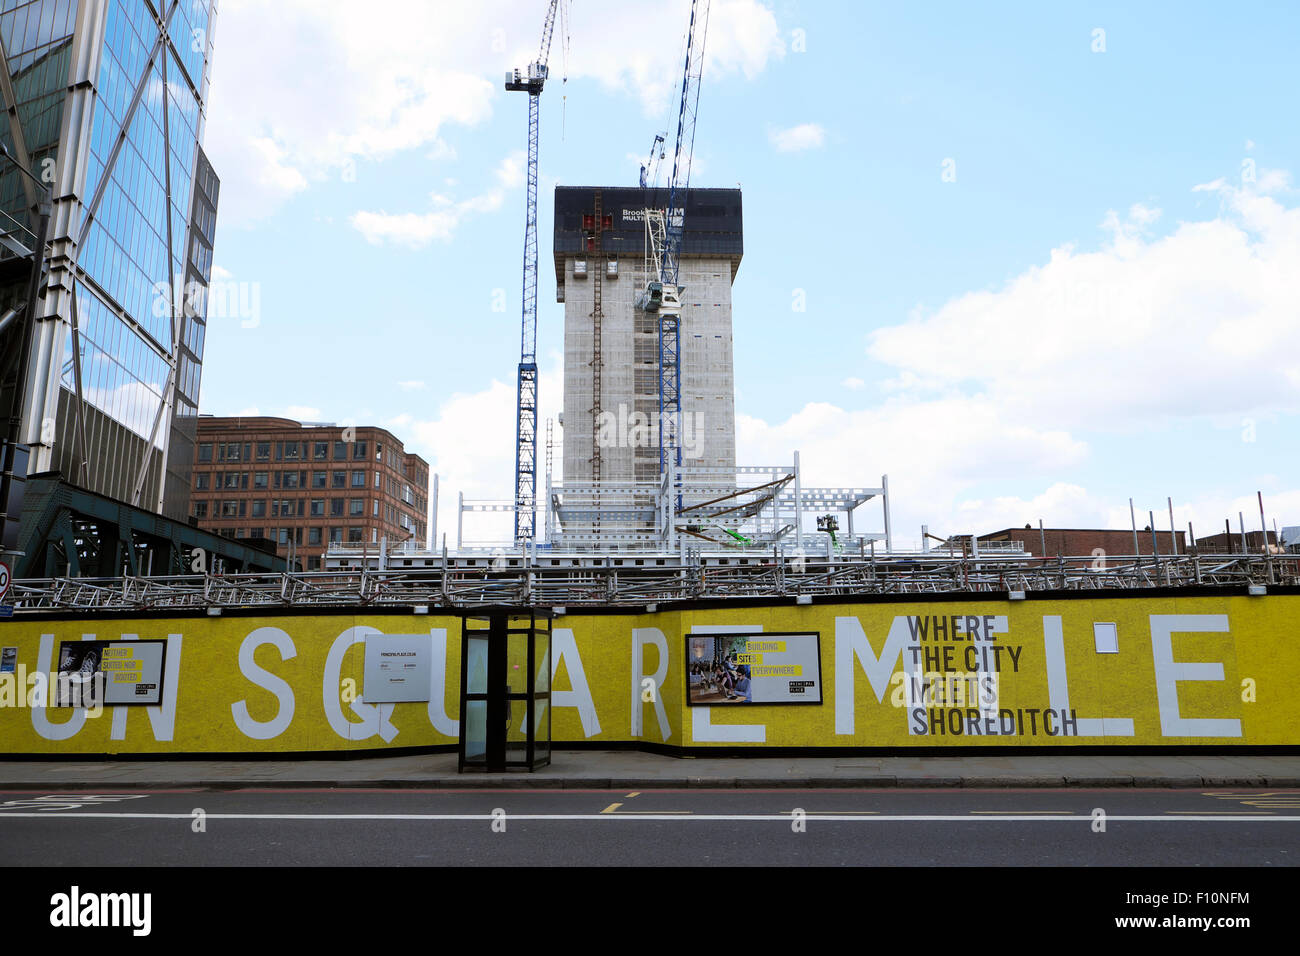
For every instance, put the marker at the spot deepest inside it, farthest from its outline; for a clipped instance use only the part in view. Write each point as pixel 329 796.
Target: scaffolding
pixel 421 581
pixel 708 508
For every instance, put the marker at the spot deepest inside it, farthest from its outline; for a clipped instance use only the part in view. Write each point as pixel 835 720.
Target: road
pixel 950 827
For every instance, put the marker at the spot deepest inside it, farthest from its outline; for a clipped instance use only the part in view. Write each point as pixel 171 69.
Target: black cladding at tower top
pixel 714 223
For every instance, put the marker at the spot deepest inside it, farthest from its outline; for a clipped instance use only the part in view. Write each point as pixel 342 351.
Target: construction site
pixel 642 585
pixel 635 495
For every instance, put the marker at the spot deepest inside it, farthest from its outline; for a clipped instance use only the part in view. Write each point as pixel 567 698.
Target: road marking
pixel 1249 813
pixel 634 793
pixel 651 816
pixel 57 802
pixel 611 808
pixel 1056 812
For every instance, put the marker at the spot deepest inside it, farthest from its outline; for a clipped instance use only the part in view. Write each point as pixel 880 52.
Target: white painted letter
pixel 265 729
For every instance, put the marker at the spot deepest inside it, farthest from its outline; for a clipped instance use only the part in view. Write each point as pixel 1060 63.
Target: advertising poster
pixel 109 673
pixel 398 668
pixel 753 668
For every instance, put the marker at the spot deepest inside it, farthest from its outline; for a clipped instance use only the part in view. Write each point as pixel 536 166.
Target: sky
pixel 1029 260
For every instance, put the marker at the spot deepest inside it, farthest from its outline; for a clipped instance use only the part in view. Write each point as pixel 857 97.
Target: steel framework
pixel 557 581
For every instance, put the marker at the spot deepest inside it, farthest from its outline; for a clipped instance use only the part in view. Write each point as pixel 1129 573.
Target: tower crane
pixel 530 80
pixel 664 229
pixel 650 171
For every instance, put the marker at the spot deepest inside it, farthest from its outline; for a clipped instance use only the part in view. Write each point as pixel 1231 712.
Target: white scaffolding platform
pixel 726 510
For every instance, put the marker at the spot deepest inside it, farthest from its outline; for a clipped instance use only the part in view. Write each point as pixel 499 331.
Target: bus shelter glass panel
pixel 505 691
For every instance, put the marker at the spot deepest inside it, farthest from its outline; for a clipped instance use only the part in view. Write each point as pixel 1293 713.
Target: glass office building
pixel 105 102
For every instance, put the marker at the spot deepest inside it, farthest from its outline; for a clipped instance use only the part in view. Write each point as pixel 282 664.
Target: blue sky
pixel 1043 268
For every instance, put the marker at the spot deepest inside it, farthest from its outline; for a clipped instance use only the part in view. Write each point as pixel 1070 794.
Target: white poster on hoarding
pixel 398 668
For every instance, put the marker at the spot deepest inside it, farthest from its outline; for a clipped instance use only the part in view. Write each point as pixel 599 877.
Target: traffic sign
pixel 4 580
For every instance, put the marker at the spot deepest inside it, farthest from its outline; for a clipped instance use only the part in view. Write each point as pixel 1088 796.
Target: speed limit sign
pixel 4 580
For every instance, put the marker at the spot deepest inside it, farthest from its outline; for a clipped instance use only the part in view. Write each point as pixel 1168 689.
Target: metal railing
pixel 456 585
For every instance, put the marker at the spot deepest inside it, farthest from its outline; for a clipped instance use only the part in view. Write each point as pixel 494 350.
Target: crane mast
pixel 664 231
pixel 530 80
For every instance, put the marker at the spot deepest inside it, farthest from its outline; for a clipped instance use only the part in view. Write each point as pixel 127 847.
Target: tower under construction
pixel 611 348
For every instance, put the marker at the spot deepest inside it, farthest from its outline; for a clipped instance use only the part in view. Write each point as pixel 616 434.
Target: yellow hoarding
pixel 1139 671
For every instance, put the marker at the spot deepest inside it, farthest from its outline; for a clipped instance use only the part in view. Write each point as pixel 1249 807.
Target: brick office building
pixel 306 486
pixel 1084 542
pixel 1230 542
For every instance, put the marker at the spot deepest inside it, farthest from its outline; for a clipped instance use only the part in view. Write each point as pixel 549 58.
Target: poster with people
pixel 752 668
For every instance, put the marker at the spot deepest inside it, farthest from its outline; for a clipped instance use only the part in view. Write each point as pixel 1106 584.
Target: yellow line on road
pixel 634 793
pixel 611 808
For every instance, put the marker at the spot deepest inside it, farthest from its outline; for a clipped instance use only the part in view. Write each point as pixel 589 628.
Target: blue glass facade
pixel 111 98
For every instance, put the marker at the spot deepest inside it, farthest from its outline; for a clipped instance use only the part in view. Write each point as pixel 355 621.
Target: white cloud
pixel 301 88
pixel 410 386
pixel 854 384
pixel 470 446
pixel 1062 505
pixel 303 413
pixel 404 229
pixel 440 151
pixel 1129 335
pixel 965 440
pixel 798 138
pixel 1273 181
pixel 1012 385
pixel 416 230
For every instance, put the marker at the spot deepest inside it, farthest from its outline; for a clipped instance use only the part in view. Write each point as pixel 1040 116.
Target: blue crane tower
pixel 530 80
pixel 664 229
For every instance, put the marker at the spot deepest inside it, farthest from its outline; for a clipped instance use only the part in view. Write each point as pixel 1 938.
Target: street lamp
pixel 14 454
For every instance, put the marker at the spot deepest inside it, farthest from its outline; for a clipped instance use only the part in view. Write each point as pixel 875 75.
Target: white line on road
pixel 678 817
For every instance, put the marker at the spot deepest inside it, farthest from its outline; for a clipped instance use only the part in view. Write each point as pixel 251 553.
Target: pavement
pixel 633 770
